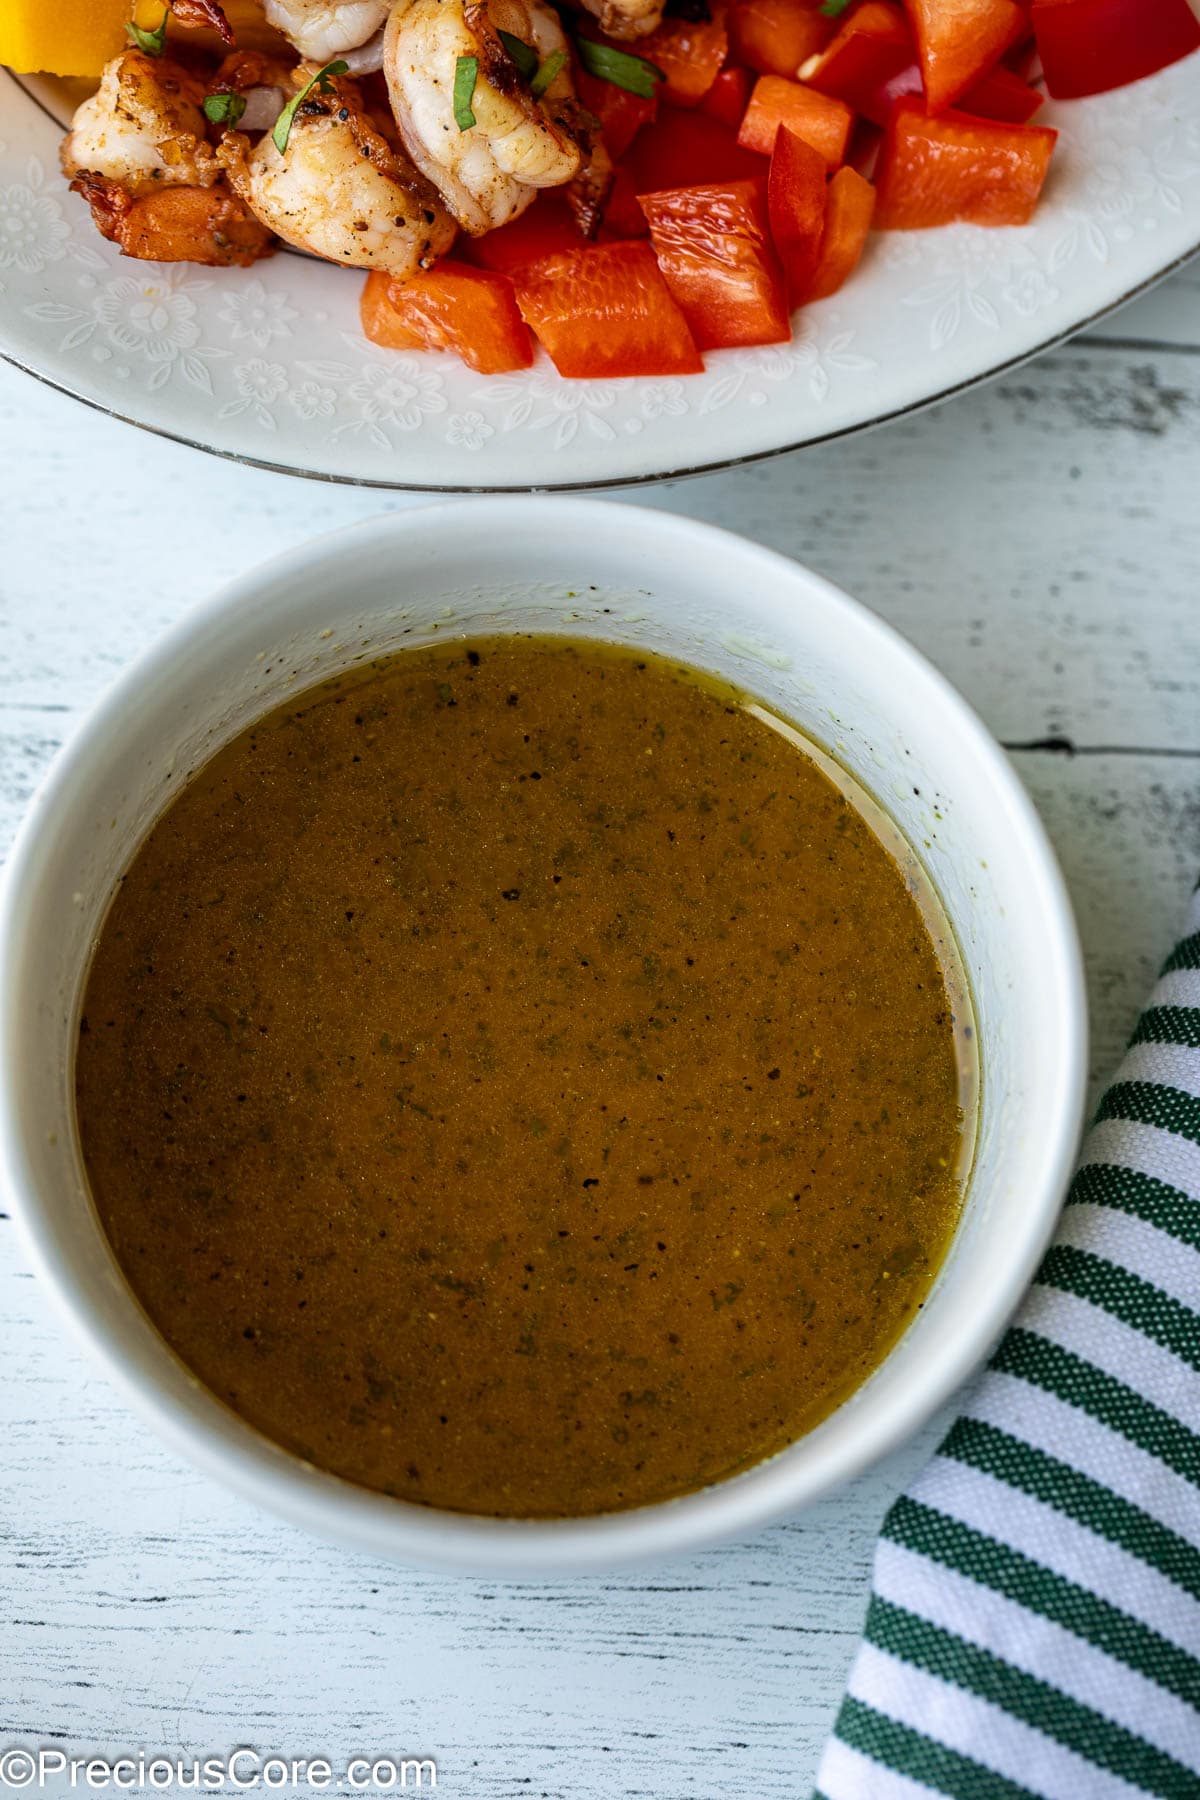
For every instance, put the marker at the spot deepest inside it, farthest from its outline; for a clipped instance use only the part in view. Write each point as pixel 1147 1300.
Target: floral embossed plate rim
pixel 267 365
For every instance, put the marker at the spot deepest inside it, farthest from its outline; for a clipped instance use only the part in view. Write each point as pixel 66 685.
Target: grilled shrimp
pixel 339 189
pixel 323 30
pixel 138 154
pixel 143 128
pixel 490 172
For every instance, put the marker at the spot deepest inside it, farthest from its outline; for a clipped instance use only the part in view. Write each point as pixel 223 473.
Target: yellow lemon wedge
pixel 72 37
pixel 77 37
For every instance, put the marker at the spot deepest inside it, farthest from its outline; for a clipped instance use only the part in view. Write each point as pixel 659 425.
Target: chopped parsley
pixel 525 58
pixel 466 73
pixel 547 73
pixel 153 43
pixel 224 109
pixel 323 82
pixel 633 73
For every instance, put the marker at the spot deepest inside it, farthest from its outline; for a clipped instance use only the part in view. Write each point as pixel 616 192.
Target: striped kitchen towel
pixel 1033 1631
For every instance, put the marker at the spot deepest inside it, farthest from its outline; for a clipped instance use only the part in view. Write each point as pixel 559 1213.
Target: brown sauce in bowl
pixel 519 1078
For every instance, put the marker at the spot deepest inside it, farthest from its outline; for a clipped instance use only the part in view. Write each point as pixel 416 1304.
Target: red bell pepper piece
pixel 1089 46
pixel 848 215
pixel 621 114
pixel 729 96
pixel 605 311
pixel 776 36
pixel 684 149
pixel 933 171
pixel 796 196
pixel 714 249
pixel 871 62
pixel 873 18
pixel 958 41
pixel 689 53
pixel 819 119
pixel 544 227
pixel 450 307
pixel 1002 95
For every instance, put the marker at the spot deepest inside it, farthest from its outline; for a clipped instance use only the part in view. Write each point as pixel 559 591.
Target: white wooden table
pixel 1040 540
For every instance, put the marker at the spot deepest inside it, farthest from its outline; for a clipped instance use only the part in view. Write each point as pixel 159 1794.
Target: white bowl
pixel 632 576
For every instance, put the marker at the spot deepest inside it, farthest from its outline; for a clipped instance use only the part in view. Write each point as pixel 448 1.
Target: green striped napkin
pixel 1034 1624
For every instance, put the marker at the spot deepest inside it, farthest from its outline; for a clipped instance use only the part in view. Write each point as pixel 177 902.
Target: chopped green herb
pixel 224 109
pixel 323 81
pixel 633 73
pixel 525 58
pixel 466 73
pixel 547 73
pixel 833 9
pixel 152 42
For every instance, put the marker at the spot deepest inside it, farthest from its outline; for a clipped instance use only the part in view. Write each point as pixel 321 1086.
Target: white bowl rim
pixel 514 1548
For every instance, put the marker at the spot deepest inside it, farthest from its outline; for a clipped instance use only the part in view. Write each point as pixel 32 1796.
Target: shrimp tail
pixel 210 225
pixel 109 201
pixel 588 194
pixel 201 15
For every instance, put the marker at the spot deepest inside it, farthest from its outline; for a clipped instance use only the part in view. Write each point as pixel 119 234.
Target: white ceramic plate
pixel 268 364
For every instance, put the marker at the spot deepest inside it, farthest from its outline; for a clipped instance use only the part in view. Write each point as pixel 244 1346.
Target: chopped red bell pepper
pixel 605 311
pixel 1089 46
pixel 1002 95
pixel 544 227
pixel 451 307
pixel 714 249
pixel 796 196
pixel 819 119
pixel 884 19
pixel 848 215
pixel 871 62
pixel 729 96
pixel 683 149
pixel 958 41
pixel 776 36
pixel 933 171
pixel 689 53
pixel 621 114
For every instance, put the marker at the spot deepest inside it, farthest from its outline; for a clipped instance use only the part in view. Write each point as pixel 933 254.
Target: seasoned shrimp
pixel 323 30
pixel 138 154
pixel 339 189
pixel 491 171
pixel 143 127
